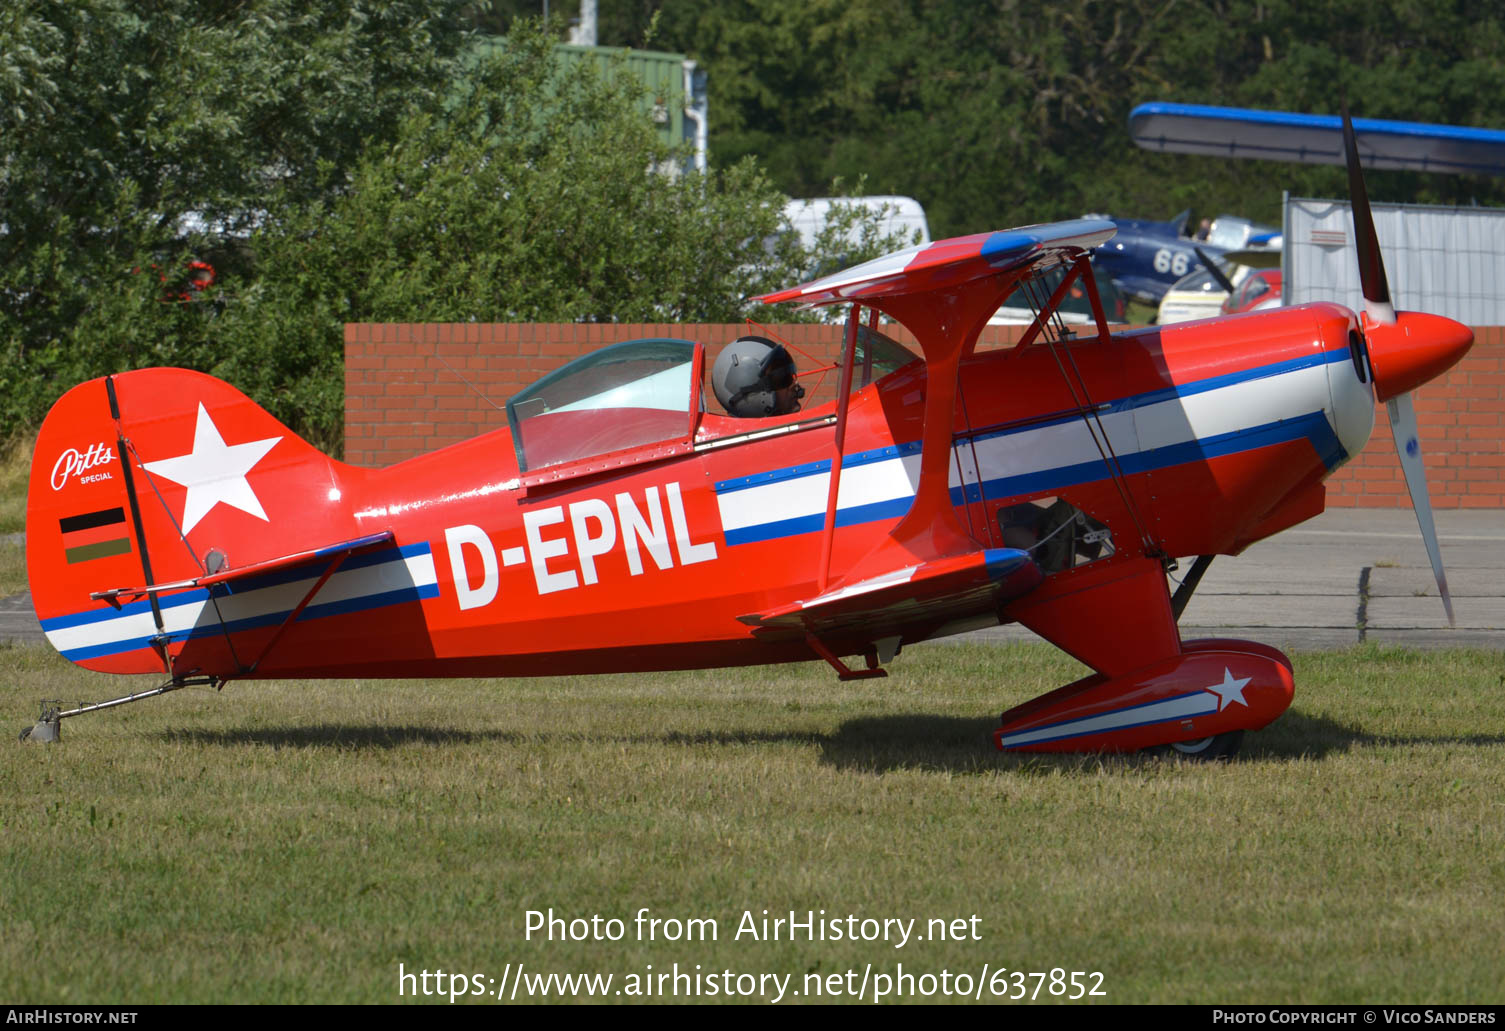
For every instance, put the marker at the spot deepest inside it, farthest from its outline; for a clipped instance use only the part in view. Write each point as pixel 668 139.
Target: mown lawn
pixel 296 842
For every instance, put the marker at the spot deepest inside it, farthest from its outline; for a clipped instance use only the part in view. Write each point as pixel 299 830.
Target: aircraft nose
pixel 1415 348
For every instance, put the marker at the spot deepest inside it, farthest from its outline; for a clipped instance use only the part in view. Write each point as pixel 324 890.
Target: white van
pixel 900 215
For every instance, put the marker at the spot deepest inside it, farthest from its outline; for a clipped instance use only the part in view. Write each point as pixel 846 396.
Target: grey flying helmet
pixel 754 376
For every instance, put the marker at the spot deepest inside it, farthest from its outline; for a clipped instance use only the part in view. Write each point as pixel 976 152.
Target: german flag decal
pixel 94 535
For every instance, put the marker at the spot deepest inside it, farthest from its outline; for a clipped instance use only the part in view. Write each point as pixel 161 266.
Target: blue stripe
pixel 1201 386
pixel 1312 427
pixel 1112 730
pixel 871 512
pixel 273 579
pixel 108 612
pixel 292 574
pixel 334 608
pixel 856 514
pixel 1154 397
pixel 780 528
pixel 371 601
pixel 794 472
pixel 1125 404
pixel 758 479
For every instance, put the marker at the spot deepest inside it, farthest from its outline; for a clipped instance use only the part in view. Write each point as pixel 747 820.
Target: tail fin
pixel 159 475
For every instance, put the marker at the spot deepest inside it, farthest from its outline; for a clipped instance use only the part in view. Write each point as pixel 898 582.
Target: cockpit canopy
pixel 639 392
pixel 619 397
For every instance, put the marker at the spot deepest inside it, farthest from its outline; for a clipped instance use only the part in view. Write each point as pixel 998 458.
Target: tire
pixel 1218 748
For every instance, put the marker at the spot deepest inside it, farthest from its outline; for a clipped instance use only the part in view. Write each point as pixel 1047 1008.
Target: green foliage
pixel 136 137
pixel 321 157
pixel 1006 112
pixel 531 197
pixel 329 166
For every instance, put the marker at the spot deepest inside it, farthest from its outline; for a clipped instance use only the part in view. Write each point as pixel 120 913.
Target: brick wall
pixel 1461 417
pixel 404 396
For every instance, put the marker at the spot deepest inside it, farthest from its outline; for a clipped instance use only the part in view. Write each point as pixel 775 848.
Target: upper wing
pixel 952 262
pixel 1315 139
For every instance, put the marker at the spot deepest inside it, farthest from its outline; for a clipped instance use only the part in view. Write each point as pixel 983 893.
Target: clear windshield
pixel 877 356
pixel 619 397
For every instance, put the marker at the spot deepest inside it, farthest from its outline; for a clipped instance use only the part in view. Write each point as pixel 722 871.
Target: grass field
pixel 290 842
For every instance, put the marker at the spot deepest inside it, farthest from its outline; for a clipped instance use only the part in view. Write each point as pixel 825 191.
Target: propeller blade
pixel 1371 266
pixel 1216 271
pixel 1408 446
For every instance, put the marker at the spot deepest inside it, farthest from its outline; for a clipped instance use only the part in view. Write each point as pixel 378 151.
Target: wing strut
pixel 843 402
pixel 1083 400
pixel 225 582
pixel 843 671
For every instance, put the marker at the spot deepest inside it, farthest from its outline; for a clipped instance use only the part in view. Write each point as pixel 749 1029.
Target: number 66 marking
pixel 1174 263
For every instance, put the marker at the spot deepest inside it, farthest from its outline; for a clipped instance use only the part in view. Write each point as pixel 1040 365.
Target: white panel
pixel 1447 261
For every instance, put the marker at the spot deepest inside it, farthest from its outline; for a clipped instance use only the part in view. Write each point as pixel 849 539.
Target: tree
pixel 134 136
pixel 530 195
pixel 1003 112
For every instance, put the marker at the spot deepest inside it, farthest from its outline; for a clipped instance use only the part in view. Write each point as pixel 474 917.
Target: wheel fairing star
pixel 1230 690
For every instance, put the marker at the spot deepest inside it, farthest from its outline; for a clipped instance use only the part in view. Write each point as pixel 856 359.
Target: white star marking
pixel 1229 690
pixel 214 471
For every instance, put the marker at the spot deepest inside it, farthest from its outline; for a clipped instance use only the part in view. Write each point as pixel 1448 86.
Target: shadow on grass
pixel 880 744
pixel 964 745
pixel 1299 736
pixel 333 735
pixel 366 736
pixel 876 744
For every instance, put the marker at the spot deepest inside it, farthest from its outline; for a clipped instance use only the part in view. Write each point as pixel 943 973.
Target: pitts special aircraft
pixel 176 528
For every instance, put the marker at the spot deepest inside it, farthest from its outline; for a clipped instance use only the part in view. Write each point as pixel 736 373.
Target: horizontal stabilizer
pixel 119 595
pixel 948 263
pixel 942 589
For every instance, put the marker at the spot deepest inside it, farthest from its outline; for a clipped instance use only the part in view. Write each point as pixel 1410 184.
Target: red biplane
pixel 620 523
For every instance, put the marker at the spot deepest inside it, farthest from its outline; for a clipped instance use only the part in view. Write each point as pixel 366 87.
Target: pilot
pixel 755 377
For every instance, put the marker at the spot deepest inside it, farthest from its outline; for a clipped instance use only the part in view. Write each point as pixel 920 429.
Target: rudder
pixel 155 476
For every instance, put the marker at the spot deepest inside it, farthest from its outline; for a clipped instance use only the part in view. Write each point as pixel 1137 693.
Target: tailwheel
pixel 1217 748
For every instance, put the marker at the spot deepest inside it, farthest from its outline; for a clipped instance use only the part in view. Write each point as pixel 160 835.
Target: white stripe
pixel 1200 704
pixel 1176 420
pixel 864 484
pixel 411 572
pixel 1054 447
pixel 1238 406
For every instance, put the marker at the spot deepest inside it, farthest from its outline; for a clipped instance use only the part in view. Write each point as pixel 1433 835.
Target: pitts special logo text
pixel 71 463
